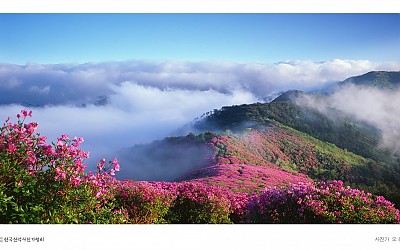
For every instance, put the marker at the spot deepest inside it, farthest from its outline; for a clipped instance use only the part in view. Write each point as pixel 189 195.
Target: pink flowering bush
pixel 322 202
pixel 174 202
pixel 194 202
pixel 145 202
pixel 42 183
pixel 197 203
pixel 238 206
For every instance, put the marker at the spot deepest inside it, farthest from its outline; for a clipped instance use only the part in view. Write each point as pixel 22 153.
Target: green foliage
pixel 40 199
pixel 187 211
pixel 143 204
pixel 198 204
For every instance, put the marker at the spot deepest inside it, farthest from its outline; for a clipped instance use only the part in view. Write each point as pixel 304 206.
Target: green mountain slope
pixel 342 130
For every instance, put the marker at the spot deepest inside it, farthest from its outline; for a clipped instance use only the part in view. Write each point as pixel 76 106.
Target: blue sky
pixel 266 38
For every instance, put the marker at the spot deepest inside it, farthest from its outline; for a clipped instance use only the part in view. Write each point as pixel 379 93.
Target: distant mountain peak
pixel 289 95
pixel 389 80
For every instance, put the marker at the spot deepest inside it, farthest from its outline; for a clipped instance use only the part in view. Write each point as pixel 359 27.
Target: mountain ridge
pixel 389 80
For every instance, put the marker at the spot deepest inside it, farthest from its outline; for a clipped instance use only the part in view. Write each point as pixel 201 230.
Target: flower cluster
pixel 195 202
pixel 174 202
pixel 245 178
pixel 18 142
pixel 322 202
pixel 46 177
pixel 287 150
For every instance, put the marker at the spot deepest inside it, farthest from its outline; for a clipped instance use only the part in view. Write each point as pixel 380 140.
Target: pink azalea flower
pixel 25 113
pixel 100 165
pixel 12 148
pixel 32 159
pixel 115 163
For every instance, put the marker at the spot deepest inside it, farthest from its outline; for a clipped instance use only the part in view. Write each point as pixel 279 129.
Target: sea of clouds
pixel 115 105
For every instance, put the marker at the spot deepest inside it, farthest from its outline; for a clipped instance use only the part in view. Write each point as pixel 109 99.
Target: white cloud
pixel 377 107
pixel 39 90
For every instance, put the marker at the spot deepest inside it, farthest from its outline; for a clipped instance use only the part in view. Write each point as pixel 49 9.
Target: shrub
pixel 322 202
pixel 43 183
pixel 197 203
pixel 145 202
